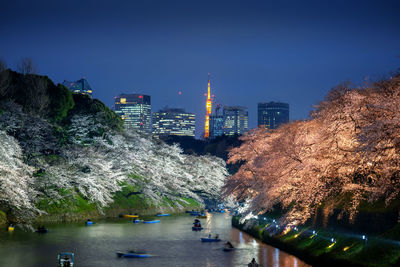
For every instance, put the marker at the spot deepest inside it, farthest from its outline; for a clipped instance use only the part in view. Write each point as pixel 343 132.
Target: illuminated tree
pixel 349 146
pixel 16 182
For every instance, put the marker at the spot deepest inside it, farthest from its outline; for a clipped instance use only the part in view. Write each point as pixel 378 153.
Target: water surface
pixel 171 242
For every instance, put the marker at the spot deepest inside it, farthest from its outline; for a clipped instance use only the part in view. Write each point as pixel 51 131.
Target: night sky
pixel 256 51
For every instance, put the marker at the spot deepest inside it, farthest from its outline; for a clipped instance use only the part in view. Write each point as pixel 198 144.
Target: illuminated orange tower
pixel 208 106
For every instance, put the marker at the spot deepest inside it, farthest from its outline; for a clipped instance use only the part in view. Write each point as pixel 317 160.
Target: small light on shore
pixel 331 245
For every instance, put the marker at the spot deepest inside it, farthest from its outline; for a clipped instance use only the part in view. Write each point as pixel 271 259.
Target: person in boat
pixel 67 261
pixel 197 223
pixel 228 245
pixel 253 263
pixel 216 236
pixel 209 235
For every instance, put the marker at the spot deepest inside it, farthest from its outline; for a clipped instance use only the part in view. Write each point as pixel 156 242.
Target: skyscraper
pixel 80 86
pixel 272 114
pixel 173 121
pixel 135 110
pixel 235 120
pixel 216 124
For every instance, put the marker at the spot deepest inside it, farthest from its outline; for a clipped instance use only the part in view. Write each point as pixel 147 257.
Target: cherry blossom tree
pixel 16 182
pixel 349 146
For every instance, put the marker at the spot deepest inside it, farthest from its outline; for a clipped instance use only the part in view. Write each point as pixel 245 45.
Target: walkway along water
pixel 171 242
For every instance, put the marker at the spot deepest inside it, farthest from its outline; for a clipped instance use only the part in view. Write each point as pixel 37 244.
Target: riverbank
pixel 323 248
pixel 80 209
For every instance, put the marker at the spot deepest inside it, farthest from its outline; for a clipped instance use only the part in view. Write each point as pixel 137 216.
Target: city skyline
pixel 199 132
pixel 293 52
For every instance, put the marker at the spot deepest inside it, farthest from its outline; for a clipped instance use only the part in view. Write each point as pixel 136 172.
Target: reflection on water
pixel 171 242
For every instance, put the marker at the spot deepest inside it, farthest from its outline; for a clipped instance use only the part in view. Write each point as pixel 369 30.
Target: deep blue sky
pixel 256 51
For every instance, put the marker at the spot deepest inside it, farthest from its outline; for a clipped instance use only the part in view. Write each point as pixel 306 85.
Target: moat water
pixel 170 242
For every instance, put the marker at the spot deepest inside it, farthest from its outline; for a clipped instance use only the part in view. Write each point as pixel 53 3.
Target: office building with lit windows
pixel 216 123
pixel 272 114
pixel 135 111
pixel 173 121
pixel 235 120
pixel 80 86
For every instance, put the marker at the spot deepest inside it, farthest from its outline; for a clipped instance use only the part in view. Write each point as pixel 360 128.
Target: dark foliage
pixel 218 147
pixel 85 105
pixel 37 95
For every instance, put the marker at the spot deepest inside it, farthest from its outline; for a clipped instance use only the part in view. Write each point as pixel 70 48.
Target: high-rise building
pixel 173 121
pixel 272 114
pixel 80 86
pixel 216 124
pixel 235 120
pixel 135 111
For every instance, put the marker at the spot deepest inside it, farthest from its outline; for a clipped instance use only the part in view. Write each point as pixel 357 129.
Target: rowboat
pixel 66 259
pixel 162 215
pixel 41 230
pixel 132 255
pixel 130 216
pixel 154 221
pixel 197 228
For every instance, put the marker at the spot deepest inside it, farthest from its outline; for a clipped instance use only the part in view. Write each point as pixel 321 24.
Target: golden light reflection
pixel 331 245
pixel 287 230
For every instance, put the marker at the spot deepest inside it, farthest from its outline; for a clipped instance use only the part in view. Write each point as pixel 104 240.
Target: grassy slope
pixel 124 201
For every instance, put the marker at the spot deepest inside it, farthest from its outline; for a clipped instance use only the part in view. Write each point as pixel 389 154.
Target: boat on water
pixel 226 249
pixel 41 230
pixel 132 255
pixel 130 216
pixel 195 228
pixel 162 215
pixel 204 239
pixel 137 221
pixel 89 222
pixel 154 221
pixel 66 259
pixel 10 228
